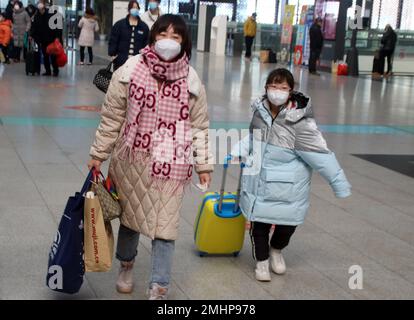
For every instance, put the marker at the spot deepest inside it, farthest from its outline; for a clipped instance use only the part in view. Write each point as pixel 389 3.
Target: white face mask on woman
pixel 167 49
pixel 277 97
pixel 134 12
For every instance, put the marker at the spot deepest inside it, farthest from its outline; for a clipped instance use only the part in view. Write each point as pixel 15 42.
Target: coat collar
pixel 301 108
pixel 194 82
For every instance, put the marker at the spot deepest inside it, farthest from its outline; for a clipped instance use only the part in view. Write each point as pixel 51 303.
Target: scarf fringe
pixel 169 187
pixel 126 153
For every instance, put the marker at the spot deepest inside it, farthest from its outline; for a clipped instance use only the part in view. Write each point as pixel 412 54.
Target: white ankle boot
pixel 277 263
pixel 262 271
pixel 157 292
pixel 125 283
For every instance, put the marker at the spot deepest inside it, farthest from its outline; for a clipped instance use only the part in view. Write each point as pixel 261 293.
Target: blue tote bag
pixel 66 265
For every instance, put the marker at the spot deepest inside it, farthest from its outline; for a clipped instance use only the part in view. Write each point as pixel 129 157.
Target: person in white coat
pixel 88 25
pixel 153 13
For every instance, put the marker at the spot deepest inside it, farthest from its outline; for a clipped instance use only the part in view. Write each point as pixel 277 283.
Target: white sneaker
pixel 277 263
pixel 262 271
pixel 125 283
pixel 156 292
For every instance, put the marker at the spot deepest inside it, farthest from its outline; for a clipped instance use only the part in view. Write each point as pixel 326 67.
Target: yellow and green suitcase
pixel 220 225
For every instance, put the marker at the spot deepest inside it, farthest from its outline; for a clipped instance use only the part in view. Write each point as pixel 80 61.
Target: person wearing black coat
pixel 44 35
pixel 128 36
pixel 316 44
pixel 388 43
pixel 9 10
pixel 31 10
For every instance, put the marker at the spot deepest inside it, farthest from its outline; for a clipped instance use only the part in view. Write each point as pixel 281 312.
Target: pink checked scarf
pixel 158 128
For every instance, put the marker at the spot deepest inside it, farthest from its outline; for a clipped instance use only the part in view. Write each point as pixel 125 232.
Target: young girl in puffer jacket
pixel 285 146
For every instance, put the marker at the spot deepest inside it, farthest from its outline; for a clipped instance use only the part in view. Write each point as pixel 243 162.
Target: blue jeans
pixel 161 256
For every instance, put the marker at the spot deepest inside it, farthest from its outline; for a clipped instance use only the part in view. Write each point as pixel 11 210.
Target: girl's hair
pixel 131 4
pixel 89 11
pixel 19 3
pixel 179 26
pixel 279 76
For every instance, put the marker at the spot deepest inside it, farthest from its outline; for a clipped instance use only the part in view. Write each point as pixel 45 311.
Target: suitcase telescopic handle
pixel 227 159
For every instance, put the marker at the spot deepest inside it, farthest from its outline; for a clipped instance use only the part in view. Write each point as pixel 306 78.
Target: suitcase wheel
pixel 202 254
pixel 236 254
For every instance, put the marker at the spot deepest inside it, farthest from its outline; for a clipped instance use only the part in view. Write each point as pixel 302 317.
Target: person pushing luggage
pixel 278 193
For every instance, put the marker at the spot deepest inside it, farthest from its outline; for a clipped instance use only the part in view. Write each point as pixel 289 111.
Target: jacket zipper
pixel 259 174
pixel 267 142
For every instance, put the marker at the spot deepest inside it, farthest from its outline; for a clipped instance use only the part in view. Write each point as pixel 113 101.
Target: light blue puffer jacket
pixel 281 155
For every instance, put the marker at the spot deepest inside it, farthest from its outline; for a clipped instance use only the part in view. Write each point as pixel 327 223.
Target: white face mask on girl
pixel 167 49
pixel 277 97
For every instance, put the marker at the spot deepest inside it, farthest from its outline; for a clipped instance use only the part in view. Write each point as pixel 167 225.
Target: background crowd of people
pixel 20 27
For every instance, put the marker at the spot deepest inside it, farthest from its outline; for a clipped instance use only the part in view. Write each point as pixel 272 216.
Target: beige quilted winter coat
pixel 152 213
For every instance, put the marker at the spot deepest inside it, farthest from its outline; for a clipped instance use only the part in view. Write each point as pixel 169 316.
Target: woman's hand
pixel 95 164
pixel 205 178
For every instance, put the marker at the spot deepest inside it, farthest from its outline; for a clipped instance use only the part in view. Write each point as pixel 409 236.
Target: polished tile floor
pixel 47 125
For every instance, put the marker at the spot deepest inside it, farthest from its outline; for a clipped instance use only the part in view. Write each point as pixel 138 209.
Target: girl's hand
pixel 205 178
pixel 95 164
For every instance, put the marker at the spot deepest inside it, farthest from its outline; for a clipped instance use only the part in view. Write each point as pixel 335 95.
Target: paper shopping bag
pixel 99 238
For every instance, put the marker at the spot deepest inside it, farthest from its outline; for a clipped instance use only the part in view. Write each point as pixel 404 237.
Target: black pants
pixel 17 52
pixel 82 54
pixel 386 54
pixel 249 44
pixel 4 50
pixel 259 234
pixel 314 57
pixel 47 59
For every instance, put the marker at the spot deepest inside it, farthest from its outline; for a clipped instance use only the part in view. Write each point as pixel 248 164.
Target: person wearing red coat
pixel 5 35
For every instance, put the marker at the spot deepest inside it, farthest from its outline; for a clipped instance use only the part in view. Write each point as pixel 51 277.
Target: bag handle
pixel 88 182
pixel 109 67
pixel 227 159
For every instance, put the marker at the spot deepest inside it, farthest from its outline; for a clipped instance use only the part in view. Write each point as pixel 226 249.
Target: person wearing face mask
pixel 283 147
pixel 152 14
pixel 154 126
pixel 21 26
pixel 44 35
pixel 9 10
pixel 128 36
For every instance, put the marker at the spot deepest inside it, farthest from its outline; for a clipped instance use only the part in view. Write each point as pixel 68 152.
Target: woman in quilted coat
pixel 154 127
pixel 21 26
